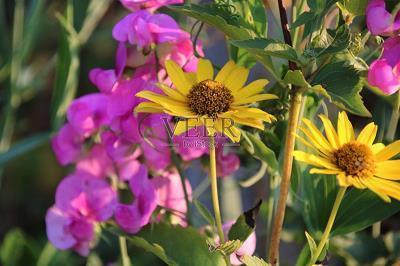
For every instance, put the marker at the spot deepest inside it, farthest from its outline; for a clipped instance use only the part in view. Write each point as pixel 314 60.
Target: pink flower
pixel 147 4
pixel 96 162
pixel 67 231
pixel 248 247
pixel 84 195
pixel 190 145
pixel 143 29
pixel 67 144
pixel 379 20
pixel 103 79
pixel 226 164
pixel 88 113
pixel 133 217
pixel 384 73
pixel 170 193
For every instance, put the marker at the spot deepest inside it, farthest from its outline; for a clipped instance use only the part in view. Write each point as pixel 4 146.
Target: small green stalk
pixel 329 225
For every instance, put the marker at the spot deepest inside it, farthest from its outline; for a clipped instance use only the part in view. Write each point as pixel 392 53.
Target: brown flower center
pixel 355 159
pixel 209 98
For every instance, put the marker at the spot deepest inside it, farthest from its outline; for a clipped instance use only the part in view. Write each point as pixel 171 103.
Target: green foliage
pixel 260 151
pixel 229 247
pixel 343 83
pixel 186 246
pixel 253 261
pixel 354 8
pixel 204 212
pixel 245 224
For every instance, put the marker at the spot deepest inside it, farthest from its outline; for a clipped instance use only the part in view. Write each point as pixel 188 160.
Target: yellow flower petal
pixel 174 94
pixel 225 71
pixel 389 151
pixel 330 132
pixel 226 127
pixel 344 129
pixel 317 142
pixel 376 190
pixel 149 107
pixel 255 98
pixel 314 160
pixel 255 113
pixel 251 89
pixel 386 187
pixel 177 77
pixel 162 100
pixel 377 147
pixel 388 169
pixel 343 180
pixel 368 134
pixel 191 78
pixel 185 125
pixel 204 70
pixel 317 135
pixel 324 171
pixel 236 79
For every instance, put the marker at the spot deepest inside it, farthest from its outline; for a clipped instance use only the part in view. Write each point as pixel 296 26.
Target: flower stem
pixel 124 251
pixel 294 111
pixel 329 225
pixel 394 120
pixel 214 190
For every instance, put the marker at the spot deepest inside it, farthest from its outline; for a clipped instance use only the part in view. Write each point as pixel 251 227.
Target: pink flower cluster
pixel 112 150
pixel 384 72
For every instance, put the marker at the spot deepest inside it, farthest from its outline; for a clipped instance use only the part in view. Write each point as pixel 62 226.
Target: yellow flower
pixel 218 104
pixel 355 161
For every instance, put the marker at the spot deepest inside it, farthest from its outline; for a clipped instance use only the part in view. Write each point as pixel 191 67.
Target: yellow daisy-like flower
pixel 217 103
pixel 355 161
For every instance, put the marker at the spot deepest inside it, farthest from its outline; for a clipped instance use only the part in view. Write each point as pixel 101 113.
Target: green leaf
pixel 303 19
pixel 355 8
pixel 340 42
pixel 253 14
pixel 11 250
pixel 360 209
pixel 186 246
pixel 296 78
pixel 253 261
pixel 213 18
pixel 343 83
pixel 262 152
pixel 67 73
pixel 304 257
pixel 245 224
pixel 23 147
pixel 205 213
pixel 262 47
pixel 311 243
pixel 141 242
pixel 229 247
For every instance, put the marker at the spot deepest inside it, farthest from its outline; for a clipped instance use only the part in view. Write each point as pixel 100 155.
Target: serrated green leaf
pixel 341 41
pixel 204 212
pixel 245 224
pixel 253 261
pixel 253 14
pixel 261 47
pixel 343 83
pixel 262 152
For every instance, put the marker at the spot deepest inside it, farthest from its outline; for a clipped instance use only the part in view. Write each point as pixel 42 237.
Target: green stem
pixel 214 190
pixel 329 225
pixel 124 251
pixel 394 120
pixel 214 193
